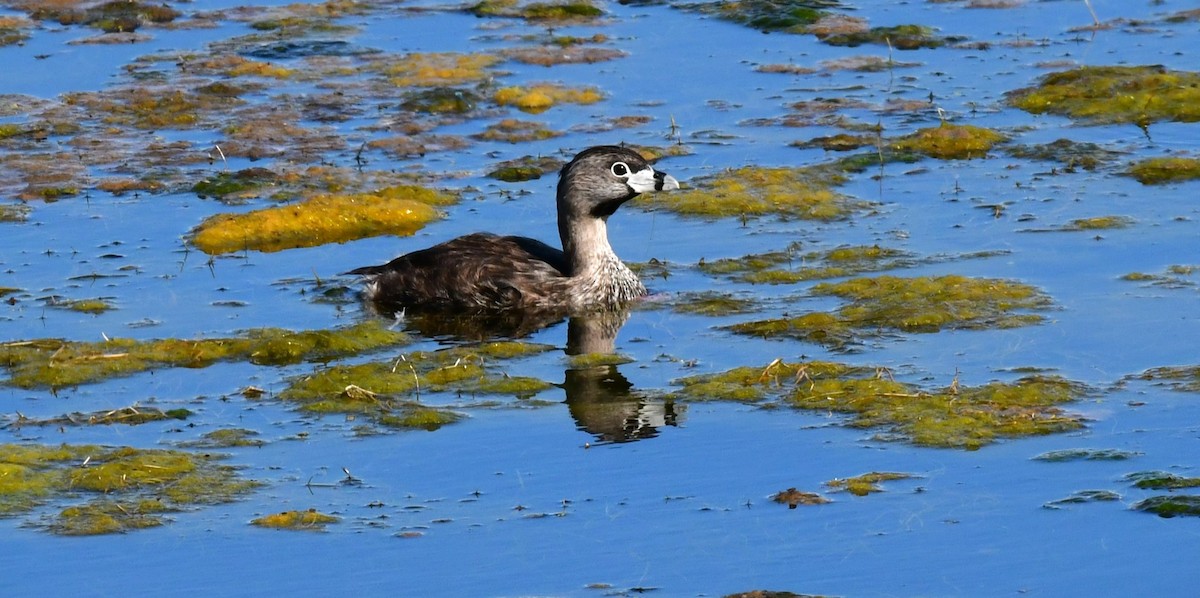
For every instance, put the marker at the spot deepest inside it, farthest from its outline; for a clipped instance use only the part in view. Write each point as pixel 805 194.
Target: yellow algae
pixel 56 363
pixel 539 98
pixel 1098 223
pixel 423 418
pixel 322 219
pixel 1159 171
pixel 794 498
pixel 1115 94
pixel 753 191
pixel 949 141
pixel 516 131
pixel 711 303
pixel 817 327
pixel 438 69
pixel 138 484
pixel 153 108
pixel 310 520
pixel 260 69
pixel 955 416
pixel 867 483
pixel 87 306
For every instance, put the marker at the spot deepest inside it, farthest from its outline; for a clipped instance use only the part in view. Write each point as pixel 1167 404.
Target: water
pixel 518 500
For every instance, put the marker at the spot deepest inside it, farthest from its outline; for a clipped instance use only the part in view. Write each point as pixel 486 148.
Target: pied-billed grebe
pixel 487 272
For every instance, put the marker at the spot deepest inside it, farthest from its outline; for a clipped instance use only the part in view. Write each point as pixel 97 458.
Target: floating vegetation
pixel 1161 480
pixel 1098 223
pixel 526 168
pixel 86 306
pixel 712 303
pixel 794 498
pixel 1176 277
pixel 787 16
pixel 123 488
pixel 752 191
pixel 436 69
pixel 564 50
pixel 1084 496
pixel 310 520
pixel 1184 378
pixel 130 416
pixel 1139 95
pixel 441 100
pixel 52 363
pixel 382 389
pixel 1072 154
pixel 867 483
pixel 954 417
pixel 511 130
pixel 1087 455
pixel 154 108
pixel 1160 171
pixel 1171 505
pixel 117 16
pixel 322 219
pixel 226 438
pixel 13 213
pixel 539 98
pixel 813 265
pixel 562 10
pixel 922 304
pixel 242 184
pixel 949 141
pixel 900 37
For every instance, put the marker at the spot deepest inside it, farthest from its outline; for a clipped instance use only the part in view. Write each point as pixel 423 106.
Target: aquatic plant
pixel 812 265
pixel 954 417
pixel 1159 171
pixel 1139 95
pixel 541 97
pixel 310 520
pixel 751 191
pixel 949 141
pixel 867 483
pixel 322 219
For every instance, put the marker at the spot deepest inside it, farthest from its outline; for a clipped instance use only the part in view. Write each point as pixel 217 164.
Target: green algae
pixel 537 11
pixel 131 416
pixel 1171 505
pixel 1160 171
pixel 952 417
pixel 1064 455
pixel 138 485
pixel 16 213
pixel 1175 276
pixel 310 520
pixel 52 363
pixel 1072 154
pixel 116 16
pixel 441 100
pixel 526 168
pixel 1139 95
pixel 1098 223
pixel 1179 378
pixel 511 130
pixel 900 37
pixel 921 305
pixel 787 16
pixel 711 303
pixel 804 193
pixel 226 438
pixel 436 69
pixel 1082 497
pixel 322 219
pixel 87 306
pixel 813 265
pixel 1161 480
pixel 867 483
pixel 949 141
pixel 242 184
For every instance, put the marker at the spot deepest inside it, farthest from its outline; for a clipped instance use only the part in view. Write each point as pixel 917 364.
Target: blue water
pixel 685 513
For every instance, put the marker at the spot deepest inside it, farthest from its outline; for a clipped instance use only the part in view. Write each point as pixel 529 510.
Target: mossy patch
pixel 130 416
pixel 1063 455
pixel 712 303
pixel 441 100
pixel 1072 154
pixel 511 130
pixel 787 16
pixel 52 363
pixel 949 141
pixel 804 193
pixel 436 69
pixel 791 265
pixel 562 10
pixel 867 483
pixel 322 219
pixel 526 168
pixel 900 37
pixel 117 16
pixel 920 304
pixel 226 438
pixel 1171 505
pixel 390 391
pixel 954 416
pixel 239 185
pixel 1183 378
pixel 541 97
pixel 1161 480
pixel 13 213
pixel 1082 497
pixel 310 520
pixel 137 485
pixel 1139 95
pixel 1160 171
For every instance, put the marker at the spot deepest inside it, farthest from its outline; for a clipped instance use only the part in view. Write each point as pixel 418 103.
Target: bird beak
pixel 648 179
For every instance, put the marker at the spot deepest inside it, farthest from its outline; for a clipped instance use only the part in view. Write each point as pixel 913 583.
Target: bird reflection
pixel 602 401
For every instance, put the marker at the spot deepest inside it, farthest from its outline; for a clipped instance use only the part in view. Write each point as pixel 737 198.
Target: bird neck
pixel 585 244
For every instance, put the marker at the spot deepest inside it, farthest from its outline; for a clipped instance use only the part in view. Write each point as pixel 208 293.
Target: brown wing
pixel 477 272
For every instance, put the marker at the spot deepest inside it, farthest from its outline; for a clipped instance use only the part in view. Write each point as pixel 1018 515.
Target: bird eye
pixel 620 169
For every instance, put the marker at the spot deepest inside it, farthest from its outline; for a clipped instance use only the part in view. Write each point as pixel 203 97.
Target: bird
pixel 488 274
